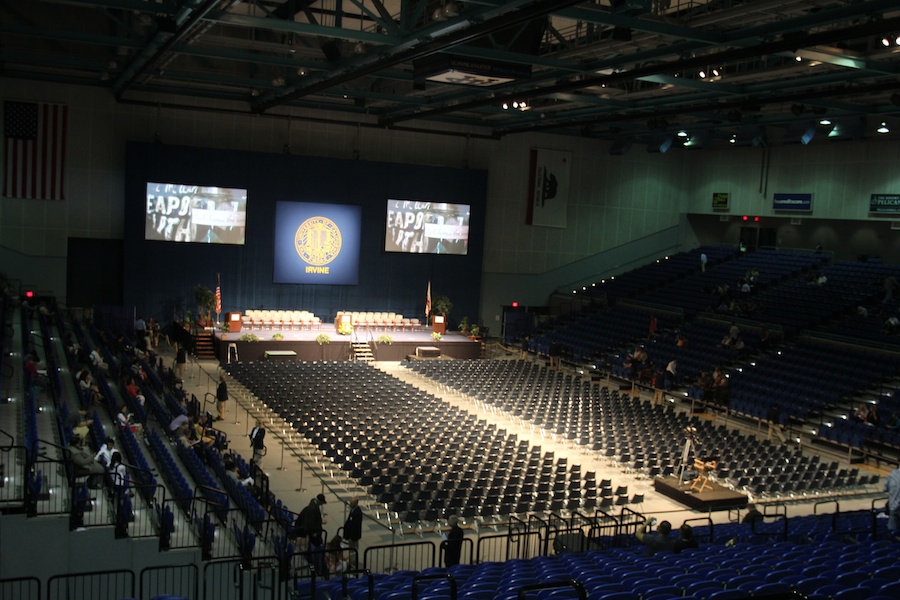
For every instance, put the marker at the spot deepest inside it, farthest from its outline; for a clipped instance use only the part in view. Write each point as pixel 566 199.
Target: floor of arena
pixel 296 474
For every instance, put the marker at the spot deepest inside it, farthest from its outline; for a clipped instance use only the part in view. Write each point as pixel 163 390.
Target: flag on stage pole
pixel 34 137
pixel 428 300
pixel 218 295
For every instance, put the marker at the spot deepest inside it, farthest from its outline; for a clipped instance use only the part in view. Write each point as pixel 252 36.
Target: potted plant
pixel 248 337
pixel 385 339
pixel 464 325
pixel 441 306
pixel 345 328
pixel 278 337
pixel 206 301
pixel 436 336
pixel 475 332
pixel 323 338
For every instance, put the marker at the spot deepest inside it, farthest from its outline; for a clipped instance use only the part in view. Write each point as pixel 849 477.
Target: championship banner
pixel 317 243
pixel 548 189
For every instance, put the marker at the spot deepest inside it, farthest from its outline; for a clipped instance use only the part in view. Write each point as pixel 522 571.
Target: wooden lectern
pixel 342 318
pixel 233 319
pixel 439 324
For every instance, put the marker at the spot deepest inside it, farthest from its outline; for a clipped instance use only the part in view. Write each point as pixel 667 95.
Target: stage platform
pixel 302 345
pixel 717 498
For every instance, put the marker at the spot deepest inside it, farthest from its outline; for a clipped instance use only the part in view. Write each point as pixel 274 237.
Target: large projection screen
pixel 422 227
pixel 317 243
pixel 178 212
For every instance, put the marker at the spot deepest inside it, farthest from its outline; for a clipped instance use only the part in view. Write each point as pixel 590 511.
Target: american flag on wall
pixel 34 154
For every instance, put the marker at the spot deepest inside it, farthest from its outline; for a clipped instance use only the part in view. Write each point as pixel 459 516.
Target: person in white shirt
pixel 97 360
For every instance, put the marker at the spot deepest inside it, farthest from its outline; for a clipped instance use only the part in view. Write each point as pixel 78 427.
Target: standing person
pixel 313 521
pixel 257 442
pixel 453 543
pixel 180 361
pixel 353 531
pixel 703 261
pixel 773 417
pixel 892 487
pixel 221 397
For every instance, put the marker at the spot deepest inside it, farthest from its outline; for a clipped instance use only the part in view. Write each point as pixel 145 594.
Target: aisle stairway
pixel 203 346
pixel 362 352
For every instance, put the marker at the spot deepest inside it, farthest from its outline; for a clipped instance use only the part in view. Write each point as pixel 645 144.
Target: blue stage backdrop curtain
pixel 160 277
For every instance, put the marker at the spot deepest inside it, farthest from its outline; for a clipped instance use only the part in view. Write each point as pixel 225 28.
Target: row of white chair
pixel 379 320
pixel 280 319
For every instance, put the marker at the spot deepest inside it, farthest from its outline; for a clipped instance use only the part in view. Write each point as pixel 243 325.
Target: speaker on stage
pixel 439 324
pixel 234 321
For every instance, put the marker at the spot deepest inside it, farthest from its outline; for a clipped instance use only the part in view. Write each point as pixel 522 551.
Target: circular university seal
pixel 318 241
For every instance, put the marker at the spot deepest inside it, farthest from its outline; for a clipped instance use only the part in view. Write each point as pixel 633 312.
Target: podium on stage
pixel 341 319
pixel 233 320
pixel 439 324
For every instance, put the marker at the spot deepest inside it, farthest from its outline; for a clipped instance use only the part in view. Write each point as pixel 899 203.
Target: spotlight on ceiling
pixel 715 72
pixel 733 139
pixel 505 106
pixel 702 74
pixel 825 122
pixel 883 129
pixel 682 134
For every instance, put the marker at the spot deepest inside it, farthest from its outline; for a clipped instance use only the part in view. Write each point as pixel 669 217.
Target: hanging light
pixel 505 106
pixel 885 42
pixel 702 74
pixel 883 129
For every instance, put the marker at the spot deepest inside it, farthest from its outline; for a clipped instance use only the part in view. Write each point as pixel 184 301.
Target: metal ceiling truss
pixel 628 71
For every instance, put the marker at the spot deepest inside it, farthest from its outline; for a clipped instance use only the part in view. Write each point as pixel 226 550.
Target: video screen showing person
pixel 418 227
pixel 194 213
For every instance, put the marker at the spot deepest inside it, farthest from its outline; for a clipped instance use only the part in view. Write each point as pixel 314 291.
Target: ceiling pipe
pixel 785 44
pixel 474 31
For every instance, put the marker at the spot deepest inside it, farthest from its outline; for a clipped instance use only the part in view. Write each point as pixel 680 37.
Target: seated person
pixel 198 434
pixel 133 390
pixel 87 386
pixel 655 541
pixel 84 463
pixel 125 421
pixel 686 541
pixel 97 360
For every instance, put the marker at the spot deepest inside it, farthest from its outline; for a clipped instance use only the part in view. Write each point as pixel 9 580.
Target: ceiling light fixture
pixel 682 134
pixel 885 42
pixel 798 58
pixel 824 121
pixel 883 129
pixel 505 106
pixel 702 74
pixel 733 139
